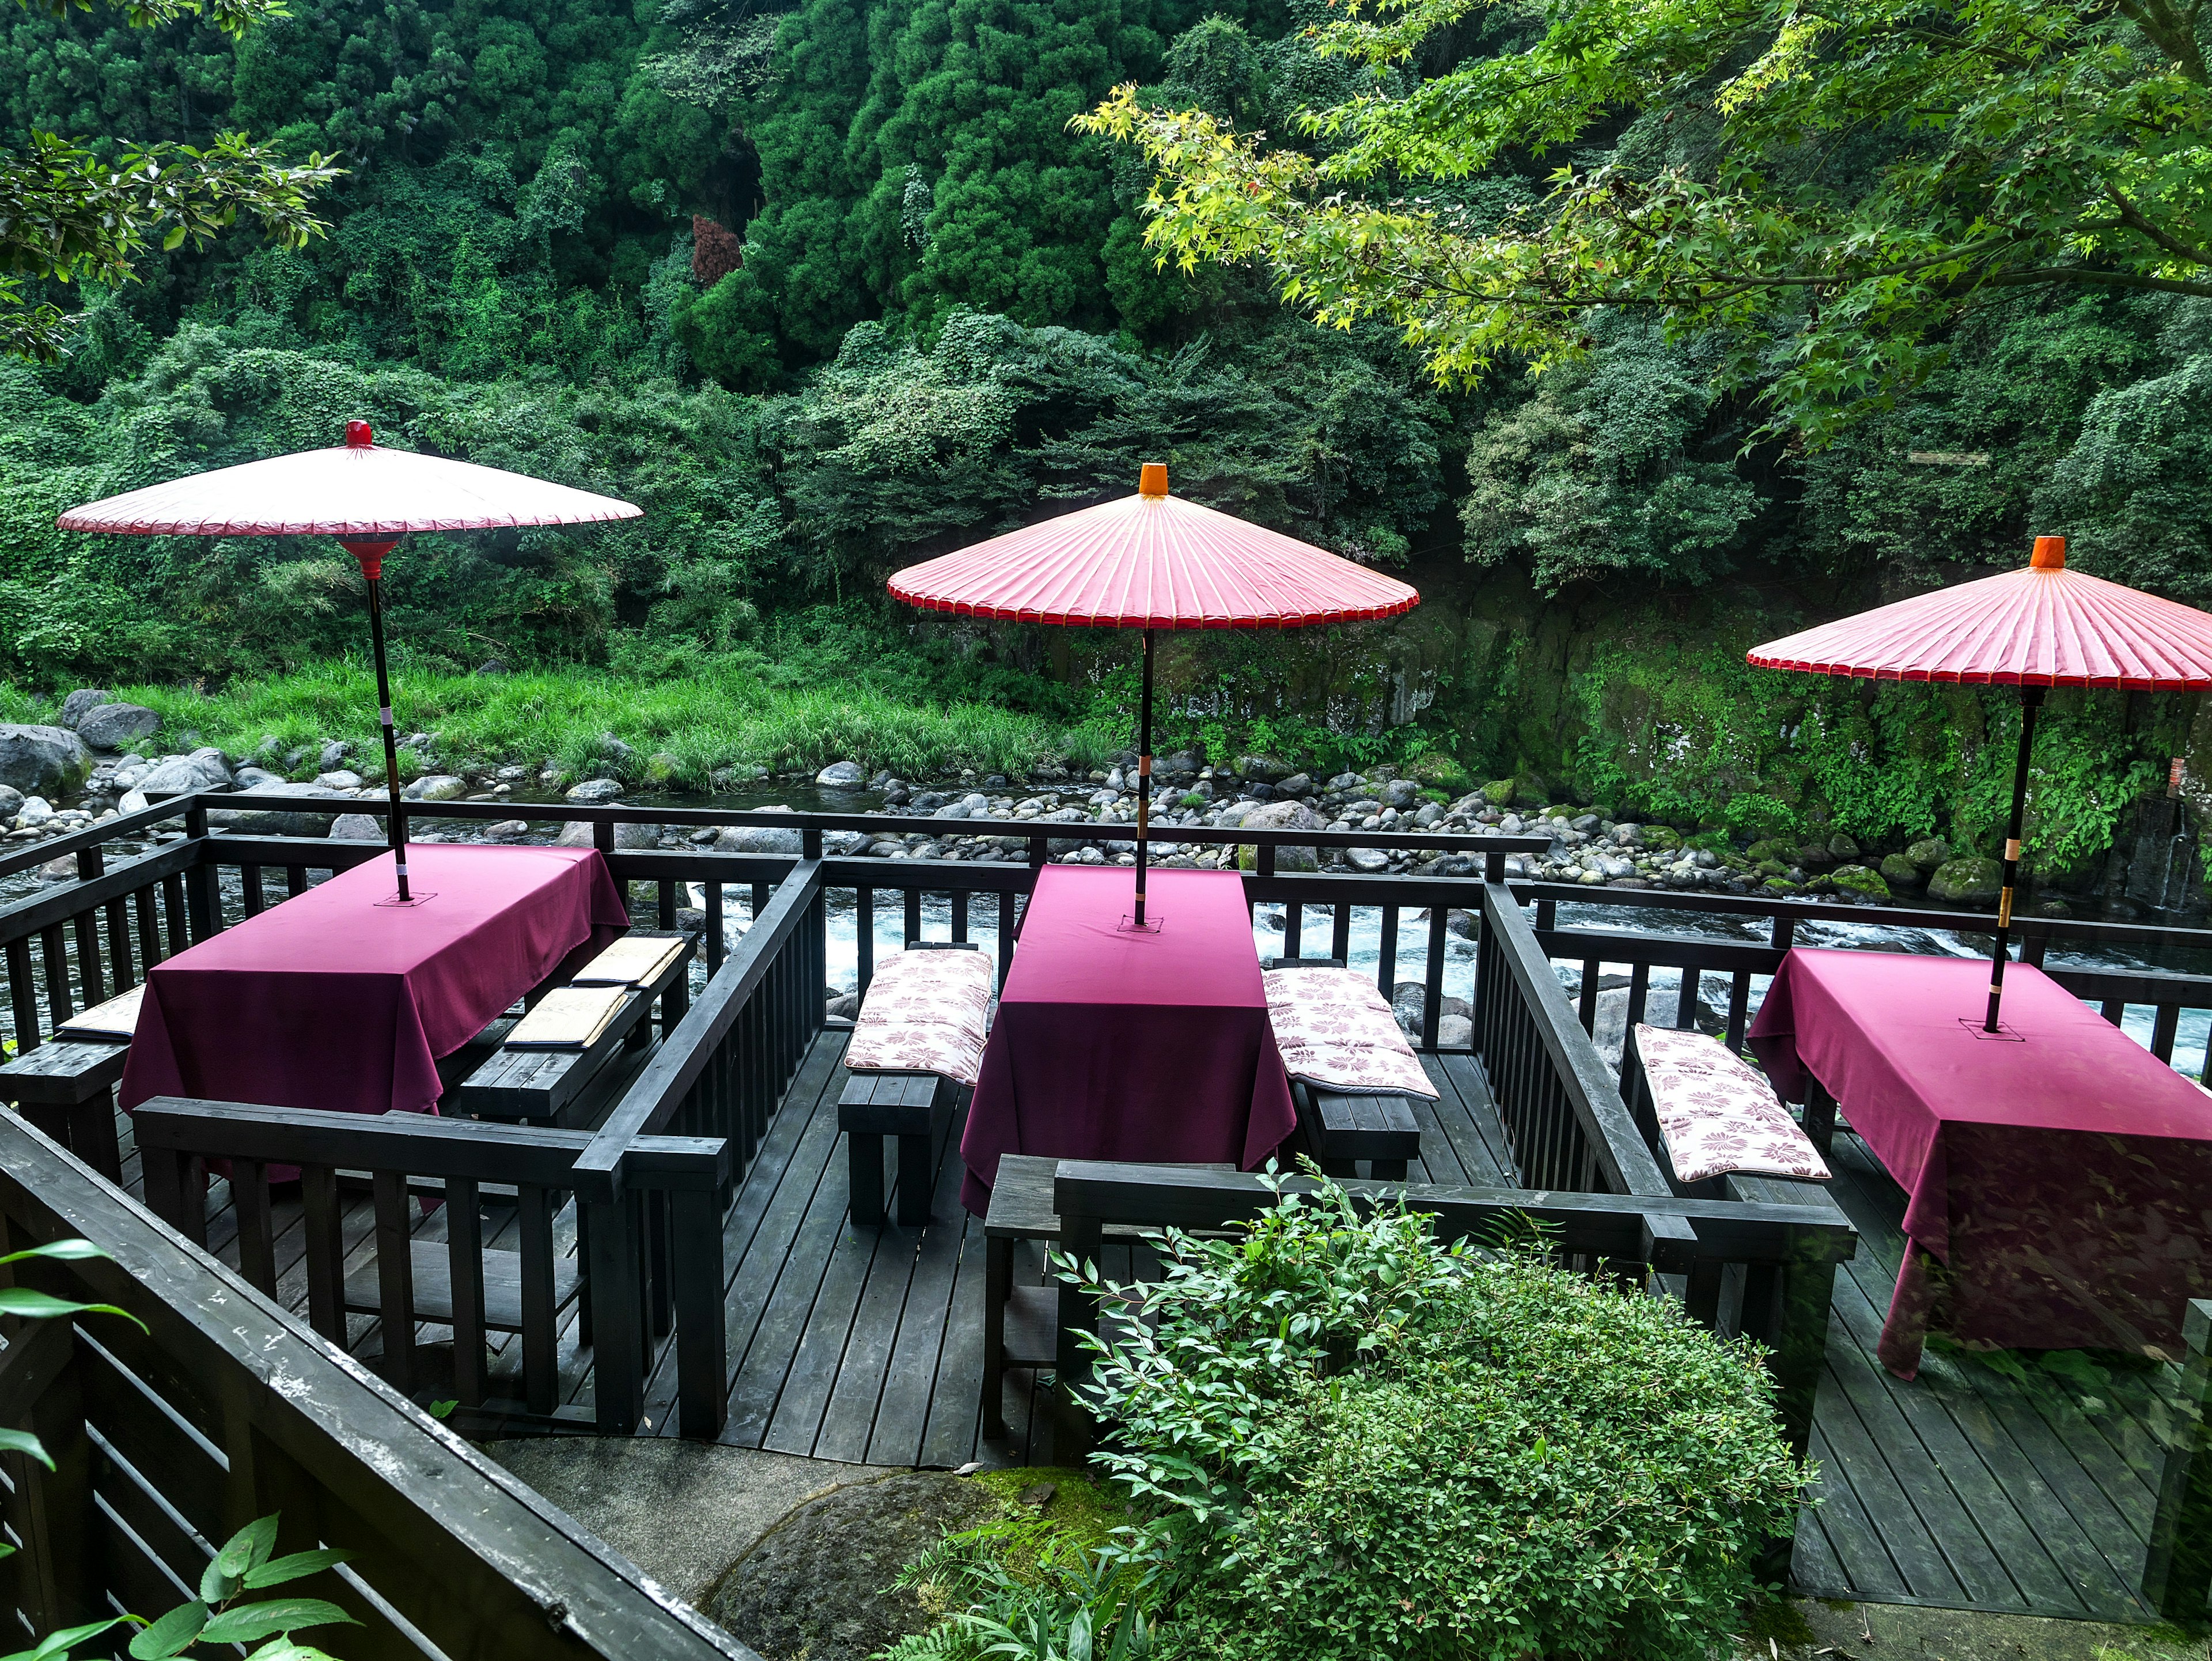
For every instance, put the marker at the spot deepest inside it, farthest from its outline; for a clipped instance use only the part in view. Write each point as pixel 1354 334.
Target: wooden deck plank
pixel 955 1427
pixel 902 1411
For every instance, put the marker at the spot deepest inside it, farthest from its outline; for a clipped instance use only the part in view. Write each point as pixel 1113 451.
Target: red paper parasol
pixel 1151 561
pixel 2040 627
pixel 368 498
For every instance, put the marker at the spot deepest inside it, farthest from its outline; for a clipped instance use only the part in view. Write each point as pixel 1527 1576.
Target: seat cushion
pixel 1717 1113
pixel 1333 1028
pixel 924 1012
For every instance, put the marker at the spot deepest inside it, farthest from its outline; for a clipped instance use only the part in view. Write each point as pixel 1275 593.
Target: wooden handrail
pixel 652 1098
pixel 1624 1162
pixel 448 1548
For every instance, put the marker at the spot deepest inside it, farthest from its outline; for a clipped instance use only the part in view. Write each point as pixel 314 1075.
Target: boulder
pixel 845 843
pixel 356 827
pixel 333 753
pixel 81 703
pixel 1928 853
pixel 1968 881
pixel 342 778
pixel 841 776
pixel 1369 860
pixel 1843 849
pixel 1455 1033
pixel 279 822
pixel 117 726
pixel 180 775
pixel 628 837
pixel 1299 784
pixel 759 838
pixel 818 1584
pixel 36 810
pixel 435 787
pixel 250 777
pixel 61 869
pixel 595 790
pixel 1400 793
pixel 1858 879
pixel 1265 769
pixel 11 803
pixel 1282 816
pixel 48 761
pixel 1900 871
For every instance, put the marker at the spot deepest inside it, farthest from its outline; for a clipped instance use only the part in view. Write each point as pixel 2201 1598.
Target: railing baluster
pixel 1386 965
pixel 177 914
pixel 534 1228
pixel 395 1277
pixel 1586 1003
pixel 249 882
pixel 864 936
pixel 1432 1000
pixel 912 915
pixel 464 1268
pixel 1340 933
pixel 1685 1001
pixel 717 946
pixel 960 914
pixel 1293 928
pixel 2113 1010
pixel 23 997
pixel 318 1195
pixel 664 893
pixel 256 1240
pixel 53 951
pixel 2164 1026
pixel 1739 1008
pixel 296 881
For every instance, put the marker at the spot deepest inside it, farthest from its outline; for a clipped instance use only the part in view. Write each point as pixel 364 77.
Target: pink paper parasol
pixel 1152 560
pixel 2039 627
pixel 367 497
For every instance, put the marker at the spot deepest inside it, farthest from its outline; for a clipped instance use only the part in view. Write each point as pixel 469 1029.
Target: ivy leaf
pixel 250 1620
pixel 296 1566
pixel 171 1634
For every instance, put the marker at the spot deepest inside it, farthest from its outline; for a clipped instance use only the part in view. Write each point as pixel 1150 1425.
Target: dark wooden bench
pixel 1021 1323
pixel 916 1108
pixel 1343 1127
pixel 66 1087
pixel 547 1084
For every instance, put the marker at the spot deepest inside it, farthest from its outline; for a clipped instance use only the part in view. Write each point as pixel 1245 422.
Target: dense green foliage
pixel 1350 1440
pixel 829 288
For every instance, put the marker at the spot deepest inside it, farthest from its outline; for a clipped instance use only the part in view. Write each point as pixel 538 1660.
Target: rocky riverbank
pixel 55 778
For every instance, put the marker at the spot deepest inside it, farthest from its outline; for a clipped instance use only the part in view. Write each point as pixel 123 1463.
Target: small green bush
pixel 1354 1442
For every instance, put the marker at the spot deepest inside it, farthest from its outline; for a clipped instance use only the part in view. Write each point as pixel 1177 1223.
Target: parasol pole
pixel 2031 700
pixel 371 555
pixel 1143 773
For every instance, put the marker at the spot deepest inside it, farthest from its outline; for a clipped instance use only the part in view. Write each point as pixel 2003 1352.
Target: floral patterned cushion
pixel 924 1012
pixel 1333 1028
pixel 1718 1114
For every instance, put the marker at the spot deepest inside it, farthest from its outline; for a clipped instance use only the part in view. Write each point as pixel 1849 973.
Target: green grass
pixel 718 717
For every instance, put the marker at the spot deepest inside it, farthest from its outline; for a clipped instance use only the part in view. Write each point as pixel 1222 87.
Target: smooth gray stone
pixel 117 726
pixel 42 761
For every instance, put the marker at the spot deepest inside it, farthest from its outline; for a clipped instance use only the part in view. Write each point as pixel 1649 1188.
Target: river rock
pixel 342 778
pixel 180 775
pixel 595 790
pixel 1299 784
pixel 841 776
pixel 356 827
pixel 278 822
pixel 11 803
pixel 435 787
pixel 1967 882
pixel 1900 871
pixel 628 837
pixel 81 703
pixel 1928 853
pixel 844 844
pixel 1400 793
pixel 36 810
pixel 49 761
pixel 1265 769
pixel 117 726
pixel 1455 1033
pixel 1843 849
pixel 815 1588
pixel 759 838
pixel 333 753
pixel 1282 816
pixel 1369 860
pixel 1858 879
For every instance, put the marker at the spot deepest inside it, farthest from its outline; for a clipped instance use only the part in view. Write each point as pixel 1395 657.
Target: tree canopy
pixel 1829 187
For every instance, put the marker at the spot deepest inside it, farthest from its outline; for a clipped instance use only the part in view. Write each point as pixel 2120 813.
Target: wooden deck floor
pixel 2018 1484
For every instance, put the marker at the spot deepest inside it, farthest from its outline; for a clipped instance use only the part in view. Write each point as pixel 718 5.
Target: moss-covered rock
pixel 1779 886
pixel 1967 882
pixel 1771 847
pixel 1858 879
pixel 1900 871
pixel 1498 793
pixel 1841 847
pixel 1928 853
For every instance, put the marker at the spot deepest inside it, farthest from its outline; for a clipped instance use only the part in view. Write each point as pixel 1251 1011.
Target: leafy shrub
pixel 1358 1442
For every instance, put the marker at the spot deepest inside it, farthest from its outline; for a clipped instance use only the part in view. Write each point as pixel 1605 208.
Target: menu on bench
pixel 116 1019
pixel 568 1018
pixel 634 960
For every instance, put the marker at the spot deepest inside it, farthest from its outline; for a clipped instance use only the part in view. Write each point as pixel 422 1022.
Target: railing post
pixel 2178 1567
pixel 203 899
pixel 1079 1238
pixel 617 1334
pixel 701 1355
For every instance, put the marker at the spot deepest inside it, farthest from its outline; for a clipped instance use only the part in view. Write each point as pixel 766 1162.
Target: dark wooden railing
pixel 412 1160
pixel 225 1408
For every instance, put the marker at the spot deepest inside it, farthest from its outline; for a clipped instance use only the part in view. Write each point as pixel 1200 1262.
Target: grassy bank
pixel 681 730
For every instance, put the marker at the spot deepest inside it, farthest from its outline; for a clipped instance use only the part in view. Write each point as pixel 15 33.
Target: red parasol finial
pixel 2049 554
pixel 1153 479
pixel 358 436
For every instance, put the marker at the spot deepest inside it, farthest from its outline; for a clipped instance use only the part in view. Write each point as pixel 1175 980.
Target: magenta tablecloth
pixel 331 1000
pixel 1111 1045
pixel 2059 1176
